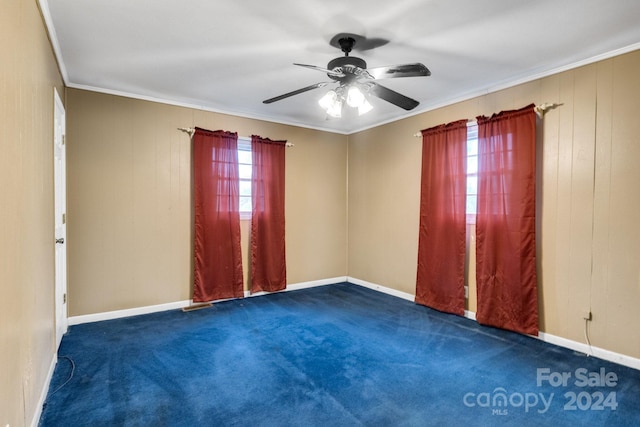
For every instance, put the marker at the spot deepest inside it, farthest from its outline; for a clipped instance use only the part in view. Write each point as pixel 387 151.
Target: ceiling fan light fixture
pixel 331 102
pixel 335 110
pixel 364 107
pixel 327 101
pixel 355 97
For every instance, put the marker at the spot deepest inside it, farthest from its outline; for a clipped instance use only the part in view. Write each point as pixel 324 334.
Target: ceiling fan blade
pixel 395 71
pixel 295 92
pixel 392 96
pixel 324 70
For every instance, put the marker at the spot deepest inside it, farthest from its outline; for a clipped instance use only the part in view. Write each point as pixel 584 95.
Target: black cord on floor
pixel 73 368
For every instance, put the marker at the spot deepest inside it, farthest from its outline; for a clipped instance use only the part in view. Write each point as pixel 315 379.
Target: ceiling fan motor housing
pixel 345 63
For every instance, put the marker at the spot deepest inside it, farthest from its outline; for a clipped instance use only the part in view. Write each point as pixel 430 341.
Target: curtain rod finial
pixel 190 131
pixel 542 108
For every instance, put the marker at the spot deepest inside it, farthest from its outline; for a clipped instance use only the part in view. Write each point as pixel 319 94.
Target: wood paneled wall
pixel 588 199
pixel 130 214
pixel 28 75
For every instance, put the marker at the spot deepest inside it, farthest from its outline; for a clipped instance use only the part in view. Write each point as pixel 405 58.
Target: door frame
pixel 60 209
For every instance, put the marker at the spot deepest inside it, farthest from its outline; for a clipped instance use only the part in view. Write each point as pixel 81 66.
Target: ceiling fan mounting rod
pixel 346 44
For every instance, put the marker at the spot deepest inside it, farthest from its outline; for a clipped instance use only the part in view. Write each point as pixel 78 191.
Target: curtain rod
pixel 539 109
pixel 191 131
pixel 469 123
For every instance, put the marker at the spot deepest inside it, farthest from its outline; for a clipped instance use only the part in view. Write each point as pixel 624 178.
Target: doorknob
pixel 60 240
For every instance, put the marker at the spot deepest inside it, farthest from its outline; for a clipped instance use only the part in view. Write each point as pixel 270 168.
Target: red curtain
pixel 218 260
pixel 442 233
pixel 505 222
pixel 268 263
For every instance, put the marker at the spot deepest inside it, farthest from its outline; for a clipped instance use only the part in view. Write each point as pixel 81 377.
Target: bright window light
pixel 245 172
pixel 472 172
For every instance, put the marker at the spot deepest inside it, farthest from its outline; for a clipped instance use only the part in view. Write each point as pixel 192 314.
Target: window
pixel 244 172
pixel 472 171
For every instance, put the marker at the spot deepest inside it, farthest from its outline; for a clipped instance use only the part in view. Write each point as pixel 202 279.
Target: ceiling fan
pixel 355 81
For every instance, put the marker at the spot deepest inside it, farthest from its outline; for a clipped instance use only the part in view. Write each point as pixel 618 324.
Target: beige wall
pixel 130 215
pixel 588 198
pixel 129 207
pixel 130 191
pixel 28 74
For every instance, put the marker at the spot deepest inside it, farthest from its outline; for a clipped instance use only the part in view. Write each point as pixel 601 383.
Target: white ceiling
pixel 230 55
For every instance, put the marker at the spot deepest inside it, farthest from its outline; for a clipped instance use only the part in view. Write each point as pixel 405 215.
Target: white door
pixel 60 196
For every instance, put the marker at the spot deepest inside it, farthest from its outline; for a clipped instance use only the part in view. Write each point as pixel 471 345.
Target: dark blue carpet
pixel 338 355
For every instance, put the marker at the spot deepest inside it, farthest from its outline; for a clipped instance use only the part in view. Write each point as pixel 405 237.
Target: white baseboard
pixel 383 289
pixel 601 353
pixel 470 314
pixel 109 315
pixel 301 285
pixel 45 389
pixel 314 283
pixel 117 314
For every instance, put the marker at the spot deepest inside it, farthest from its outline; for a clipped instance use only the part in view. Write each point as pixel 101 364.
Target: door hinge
pixel 64 298
pixel 64 137
pixel 64 218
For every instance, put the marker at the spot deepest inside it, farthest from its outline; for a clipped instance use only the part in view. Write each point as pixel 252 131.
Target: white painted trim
pixel 601 353
pixel 201 107
pixel 53 37
pixel 117 314
pixel 45 389
pixel 301 285
pixel 404 295
pixel 61 286
pixel 314 283
pixel 297 286
pixel 425 106
pixel 382 289
pixel 504 85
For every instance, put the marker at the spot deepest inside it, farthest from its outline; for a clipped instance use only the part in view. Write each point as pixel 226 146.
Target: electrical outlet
pixel 586 315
